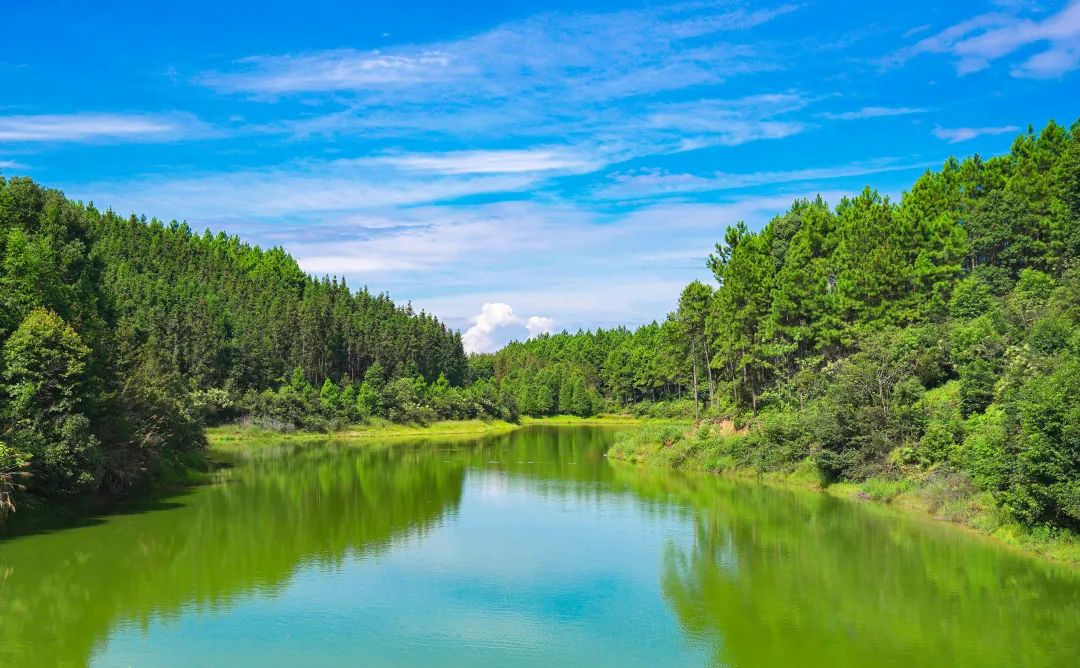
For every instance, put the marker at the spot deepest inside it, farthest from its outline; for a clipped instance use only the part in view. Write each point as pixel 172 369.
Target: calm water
pixel 527 549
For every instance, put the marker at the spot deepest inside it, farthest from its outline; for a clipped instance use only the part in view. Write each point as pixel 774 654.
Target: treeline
pixel 878 337
pixel 120 337
pixel 582 373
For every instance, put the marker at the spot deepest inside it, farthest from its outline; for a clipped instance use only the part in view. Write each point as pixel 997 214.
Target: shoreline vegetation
pixel 676 444
pixel 937 494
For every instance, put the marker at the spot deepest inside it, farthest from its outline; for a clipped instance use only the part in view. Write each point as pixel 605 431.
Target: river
pixel 527 549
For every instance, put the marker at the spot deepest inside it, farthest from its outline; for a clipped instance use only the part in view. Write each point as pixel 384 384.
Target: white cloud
pixel 589 79
pixel 331 71
pixel 100 127
pixel 916 30
pixel 872 112
pixel 11 164
pixel 302 189
pixel 307 188
pixel 491 161
pixel 729 122
pixel 538 324
pixel 584 55
pixel 497 323
pixel 979 41
pixel 955 135
pixel 658 183
pixel 475 238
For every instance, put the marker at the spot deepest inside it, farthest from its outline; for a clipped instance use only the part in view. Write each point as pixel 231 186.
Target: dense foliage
pixel 940 331
pixel 119 337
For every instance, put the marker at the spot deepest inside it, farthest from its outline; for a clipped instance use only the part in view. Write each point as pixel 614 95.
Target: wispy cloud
pixel 585 55
pixel 308 189
pixel 979 41
pixel 492 161
pixel 872 112
pixel 585 78
pixel 955 135
pixel 551 93
pixel 729 122
pixel 579 138
pixel 916 30
pixel 329 71
pixel 11 164
pixel 100 127
pixel 300 190
pixel 649 183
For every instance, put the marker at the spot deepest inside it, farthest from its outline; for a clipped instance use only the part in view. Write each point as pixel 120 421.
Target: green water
pixel 526 549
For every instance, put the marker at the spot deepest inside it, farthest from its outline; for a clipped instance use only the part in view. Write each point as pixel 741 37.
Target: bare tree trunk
pixel 693 356
pixel 708 369
pixel 753 390
pixel 734 382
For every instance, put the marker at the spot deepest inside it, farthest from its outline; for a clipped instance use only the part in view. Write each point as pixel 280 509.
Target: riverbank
pixel 227 436
pixel 196 470
pixel 936 493
pixel 231 436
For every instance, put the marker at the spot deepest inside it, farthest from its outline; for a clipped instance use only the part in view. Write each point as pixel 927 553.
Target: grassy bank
pixel 226 436
pixel 605 420
pixel 938 493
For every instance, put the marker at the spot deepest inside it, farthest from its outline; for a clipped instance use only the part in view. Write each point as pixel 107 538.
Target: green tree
pixel 330 398
pixel 44 373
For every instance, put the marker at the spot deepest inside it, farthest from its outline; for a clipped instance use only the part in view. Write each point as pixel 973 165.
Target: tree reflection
pixel 61 593
pixel 780 578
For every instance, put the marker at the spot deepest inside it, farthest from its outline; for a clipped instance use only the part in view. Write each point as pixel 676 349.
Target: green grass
pixel 606 419
pixel 227 436
pixel 234 436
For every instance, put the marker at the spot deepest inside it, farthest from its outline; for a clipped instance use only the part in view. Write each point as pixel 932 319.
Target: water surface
pixel 525 549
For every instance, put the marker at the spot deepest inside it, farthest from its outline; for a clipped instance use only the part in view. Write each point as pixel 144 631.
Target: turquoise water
pixel 526 549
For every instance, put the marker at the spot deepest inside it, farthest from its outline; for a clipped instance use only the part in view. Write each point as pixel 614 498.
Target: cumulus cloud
pixel 497 323
pixel 539 324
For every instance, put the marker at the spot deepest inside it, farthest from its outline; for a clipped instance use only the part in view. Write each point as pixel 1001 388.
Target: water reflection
pixel 527 548
pixel 62 592
pixel 782 578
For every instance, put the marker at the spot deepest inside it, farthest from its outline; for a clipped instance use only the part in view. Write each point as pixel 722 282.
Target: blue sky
pixel 566 167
